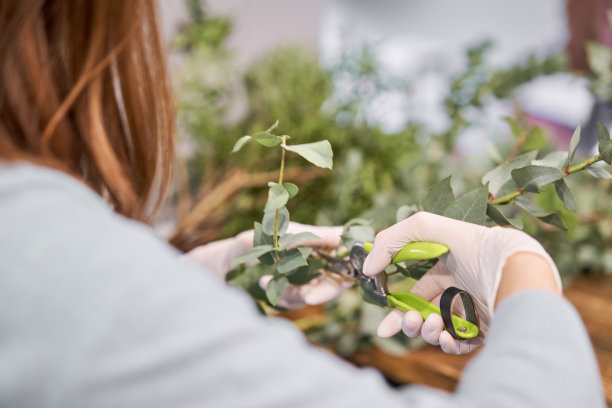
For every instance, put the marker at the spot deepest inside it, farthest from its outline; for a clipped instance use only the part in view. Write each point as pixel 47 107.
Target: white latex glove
pixel 474 263
pixel 217 256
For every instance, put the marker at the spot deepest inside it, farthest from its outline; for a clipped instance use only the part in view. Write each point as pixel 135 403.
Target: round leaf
pixel 318 153
pixel 277 197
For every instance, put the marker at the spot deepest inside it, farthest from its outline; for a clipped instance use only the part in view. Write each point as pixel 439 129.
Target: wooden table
pixel 592 297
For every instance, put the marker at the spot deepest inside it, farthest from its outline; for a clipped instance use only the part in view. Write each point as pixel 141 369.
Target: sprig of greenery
pixel 277 250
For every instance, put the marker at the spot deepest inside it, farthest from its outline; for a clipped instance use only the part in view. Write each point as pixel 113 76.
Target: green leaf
pixel 249 280
pixel 557 159
pixel 573 145
pixel 268 221
pixel 605 148
pixel 536 139
pixel 275 289
pixel 267 139
pixel 357 233
pixel 305 251
pixel 514 126
pixel 291 239
pixel 531 208
pixel 274 126
pixel 471 207
pixel 439 197
pixel 531 178
pixel 305 274
pixel 494 153
pixel 290 260
pixel 277 197
pixel 291 188
pixel 252 254
pixel 500 175
pixel 599 172
pixel 500 218
pixel 261 238
pixel 554 219
pixel 318 153
pixel 565 194
pixel 241 142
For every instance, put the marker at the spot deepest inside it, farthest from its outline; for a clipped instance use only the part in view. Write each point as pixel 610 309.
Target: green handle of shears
pixel 407 301
pixel 414 251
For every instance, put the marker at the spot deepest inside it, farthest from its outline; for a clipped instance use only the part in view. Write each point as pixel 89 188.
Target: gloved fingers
pixel 432 328
pixel 329 237
pixel 412 322
pixel 320 290
pixel 422 226
pixel 391 324
pixel 450 345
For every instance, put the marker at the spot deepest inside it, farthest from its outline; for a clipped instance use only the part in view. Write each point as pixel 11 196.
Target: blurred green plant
pixel 375 174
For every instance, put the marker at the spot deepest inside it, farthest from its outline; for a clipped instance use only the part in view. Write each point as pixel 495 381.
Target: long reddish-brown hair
pixel 84 89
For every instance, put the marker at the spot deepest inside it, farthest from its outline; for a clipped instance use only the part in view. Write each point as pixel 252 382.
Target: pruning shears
pixel 460 328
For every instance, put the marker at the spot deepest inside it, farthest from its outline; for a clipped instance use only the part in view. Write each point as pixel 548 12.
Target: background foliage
pixel 377 176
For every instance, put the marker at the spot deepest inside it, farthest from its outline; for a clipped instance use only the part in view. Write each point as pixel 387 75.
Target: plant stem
pixel 280 181
pixel 578 167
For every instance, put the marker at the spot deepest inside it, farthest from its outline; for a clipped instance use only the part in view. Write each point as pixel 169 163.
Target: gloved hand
pixel 474 263
pixel 217 256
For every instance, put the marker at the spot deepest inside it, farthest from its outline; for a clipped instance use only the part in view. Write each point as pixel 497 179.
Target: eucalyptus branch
pixel 280 181
pixel 573 169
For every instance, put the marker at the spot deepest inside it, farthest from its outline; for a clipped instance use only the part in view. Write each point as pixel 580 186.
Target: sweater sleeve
pixel 99 312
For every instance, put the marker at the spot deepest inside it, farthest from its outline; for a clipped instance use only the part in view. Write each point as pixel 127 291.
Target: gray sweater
pixel 97 311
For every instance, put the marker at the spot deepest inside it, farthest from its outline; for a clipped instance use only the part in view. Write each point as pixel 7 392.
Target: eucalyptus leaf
pixel 514 126
pixel 268 221
pixel 357 233
pixel 573 145
pixel 554 219
pixel 261 238
pixel 605 148
pixel 267 139
pixel 318 153
pixel 500 218
pixel 565 194
pixel 494 153
pixel 252 254
pixel 439 197
pixel 599 172
pixel 531 208
pixel 419 269
pixel 275 289
pixel 305 251
pixel 241 142
pixel 291 239
pixel 290 260
pixel 508 187
pixel 305 274
pixel 277 197
pixel 291 188
pixel 531 177
pixel 500 175
pixel 557 159
pixel 536 139
pixel 249 280
pixel 471 207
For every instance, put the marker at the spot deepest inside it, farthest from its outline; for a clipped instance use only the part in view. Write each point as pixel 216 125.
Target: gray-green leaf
pixel 291 188
pixel 500 175
pixel 305 274
pixel 531 178
pixel 241 142
pixel 526 205
pixel 292 239
pixel 565 194
pixel 556 159
pixel 536 139
pixel 573 145
pixel 553 219
pixel 268 221
pixel 291 260
pixel 599 172
pixel 277 197
pixel 439 197
pixel 605 144
pixel 252 254
pixel 275 289
pixel 267 139
pixel 471 207
pixel 500 218
pixel 318 153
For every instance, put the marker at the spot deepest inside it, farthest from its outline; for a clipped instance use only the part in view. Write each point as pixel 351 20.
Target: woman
pixel 96 310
